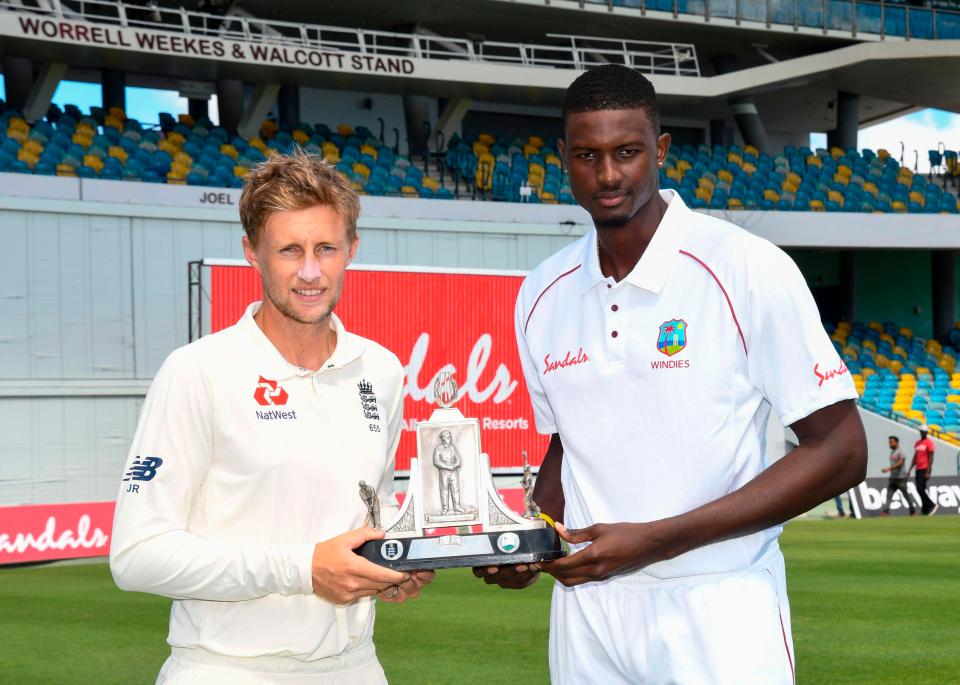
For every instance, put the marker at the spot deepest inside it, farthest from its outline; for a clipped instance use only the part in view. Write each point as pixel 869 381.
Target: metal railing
pixel 569 52
pixel 874 17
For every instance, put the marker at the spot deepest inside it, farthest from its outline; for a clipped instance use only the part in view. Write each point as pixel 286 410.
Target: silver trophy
pixel 451 485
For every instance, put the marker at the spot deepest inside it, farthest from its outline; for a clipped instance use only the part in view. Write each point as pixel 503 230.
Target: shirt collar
pixel 658 259
pixel 348 348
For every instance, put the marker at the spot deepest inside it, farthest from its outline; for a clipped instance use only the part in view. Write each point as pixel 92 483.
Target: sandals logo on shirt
pixel 269 393
pixel 673 336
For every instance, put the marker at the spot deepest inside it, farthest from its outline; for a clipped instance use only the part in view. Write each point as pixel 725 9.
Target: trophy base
pixel 457 551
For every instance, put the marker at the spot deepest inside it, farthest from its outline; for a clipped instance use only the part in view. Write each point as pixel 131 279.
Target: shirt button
pixel 614 307
pixel 614 334
pixel 609 286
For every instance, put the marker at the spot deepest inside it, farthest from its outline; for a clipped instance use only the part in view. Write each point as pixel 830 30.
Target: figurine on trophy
pixel 530 508
pixel 453 487
pixel 369 496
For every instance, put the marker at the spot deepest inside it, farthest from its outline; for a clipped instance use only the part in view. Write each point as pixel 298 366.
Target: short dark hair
pixel 894 438
pixel 611 86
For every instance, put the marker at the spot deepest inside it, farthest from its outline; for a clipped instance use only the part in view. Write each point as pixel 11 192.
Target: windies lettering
pixel 568 360
pixel 831 373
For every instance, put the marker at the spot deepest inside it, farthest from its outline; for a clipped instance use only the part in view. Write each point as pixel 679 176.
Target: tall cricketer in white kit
pixel 679 334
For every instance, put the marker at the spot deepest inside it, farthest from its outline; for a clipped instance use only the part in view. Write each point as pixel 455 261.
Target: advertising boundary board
pixel 434 320
pixel 866 499
pixel 54 532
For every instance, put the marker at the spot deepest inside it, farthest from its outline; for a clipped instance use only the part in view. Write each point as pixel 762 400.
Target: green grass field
pixel 874 602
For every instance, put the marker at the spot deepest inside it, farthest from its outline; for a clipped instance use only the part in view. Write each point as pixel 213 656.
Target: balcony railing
pixel 567 52
pixel 873 17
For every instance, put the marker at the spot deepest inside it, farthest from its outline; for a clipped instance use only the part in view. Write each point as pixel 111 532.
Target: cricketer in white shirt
pixel 654 370
pixel 241 495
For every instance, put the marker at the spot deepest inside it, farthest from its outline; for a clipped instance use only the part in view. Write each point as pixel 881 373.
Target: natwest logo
pixel 569 360
pixel 269 393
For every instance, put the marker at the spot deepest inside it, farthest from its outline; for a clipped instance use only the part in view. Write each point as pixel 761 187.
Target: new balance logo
pixel 143 469
pixel 269 393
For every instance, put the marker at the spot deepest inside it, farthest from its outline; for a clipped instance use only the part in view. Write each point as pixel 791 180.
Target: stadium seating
pixel 108 145
pixel 902 375
pixel 800 179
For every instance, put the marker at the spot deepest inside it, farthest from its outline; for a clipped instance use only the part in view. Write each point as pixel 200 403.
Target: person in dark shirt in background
pixel 898 477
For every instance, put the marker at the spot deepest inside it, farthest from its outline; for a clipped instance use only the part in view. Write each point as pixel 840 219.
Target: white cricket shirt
pixel 660 385
pixel 241 463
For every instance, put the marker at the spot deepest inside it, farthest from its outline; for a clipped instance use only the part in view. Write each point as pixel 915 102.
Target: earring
pixel 660 164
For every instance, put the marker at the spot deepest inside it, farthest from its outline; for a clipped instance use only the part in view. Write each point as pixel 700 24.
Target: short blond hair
pixel 295 181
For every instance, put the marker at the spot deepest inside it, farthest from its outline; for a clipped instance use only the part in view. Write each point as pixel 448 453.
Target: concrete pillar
pixel 943 292
pixel 417 109
pixel 449 120
pixel 230 103
pixel 288 105
pixel 114 88
pixel 848 285
pixel 41 93
pixel 261 102
pixel 198 108
pixel 848 121
pixel 744 109
pixel 18 80
pixel 720 133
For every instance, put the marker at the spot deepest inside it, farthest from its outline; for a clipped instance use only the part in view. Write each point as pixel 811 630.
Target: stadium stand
pixel 106 144
pixel 903 376
pixel 935 20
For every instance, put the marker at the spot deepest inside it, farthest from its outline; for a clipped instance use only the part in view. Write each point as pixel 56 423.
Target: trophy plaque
pixel 451 486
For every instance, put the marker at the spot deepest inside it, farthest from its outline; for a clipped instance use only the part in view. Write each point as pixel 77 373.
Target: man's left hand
pixel 408 590
pixel 614 548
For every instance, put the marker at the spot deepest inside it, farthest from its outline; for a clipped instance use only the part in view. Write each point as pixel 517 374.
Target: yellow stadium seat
pixel 82 140
pixel 734 157
pixel 704 194
pixel 34 147
pixel 870 345
pixel 369 150
pixel 258 143
pixel 118 152
pixel 734 203
pixel 842 180
pixel 751 150
pixel 182 157
pixel 916 196
pixel 486 139
pixel 347 130
pixel 749 168
pixel 93 162
pixel 705 182
pixel 536 141
pixel 268 129
pixel 923 370
pixel 240 171
pixel 868 372
pixel 186 120
pixel 871 188
pixel 816 206
pixel 361 169
pixel 896 365
pixel 899 207
pixel 771 194
pixel 675 174
pixel 683 165
pixel 113 122
pixel 28 158
pixel 530 150
pixel 66 170
pixel 835 196
pixel 725 175
pixel 176 139
pixel 229 150
pixel 836 152
pixel 553 160
pixel 480 149
pixel 409 191
pixel 300 136
pixel 431 183
pixel 882 361
pixel 548 198
pixel 883 154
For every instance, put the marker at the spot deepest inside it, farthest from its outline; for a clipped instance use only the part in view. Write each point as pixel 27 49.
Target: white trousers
pixel 731 629
pixel 200 667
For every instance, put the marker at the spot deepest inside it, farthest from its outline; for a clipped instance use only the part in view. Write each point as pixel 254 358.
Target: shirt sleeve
pixel 791 360
pixel 542 412
pixel 152 550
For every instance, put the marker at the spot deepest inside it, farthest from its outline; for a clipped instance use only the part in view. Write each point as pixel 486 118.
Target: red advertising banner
pixel 72 531
pixel 433 321
pixel 55 531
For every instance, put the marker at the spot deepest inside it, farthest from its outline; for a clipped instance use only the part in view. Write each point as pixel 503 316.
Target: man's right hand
pixel 510 577
pixel 341 576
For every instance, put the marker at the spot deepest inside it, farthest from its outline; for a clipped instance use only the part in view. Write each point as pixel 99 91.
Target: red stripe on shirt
pixel 724 291
pixel 786 646
pixel 540 296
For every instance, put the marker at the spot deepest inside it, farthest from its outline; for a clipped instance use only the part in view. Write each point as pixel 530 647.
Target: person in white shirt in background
pixel 239 500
